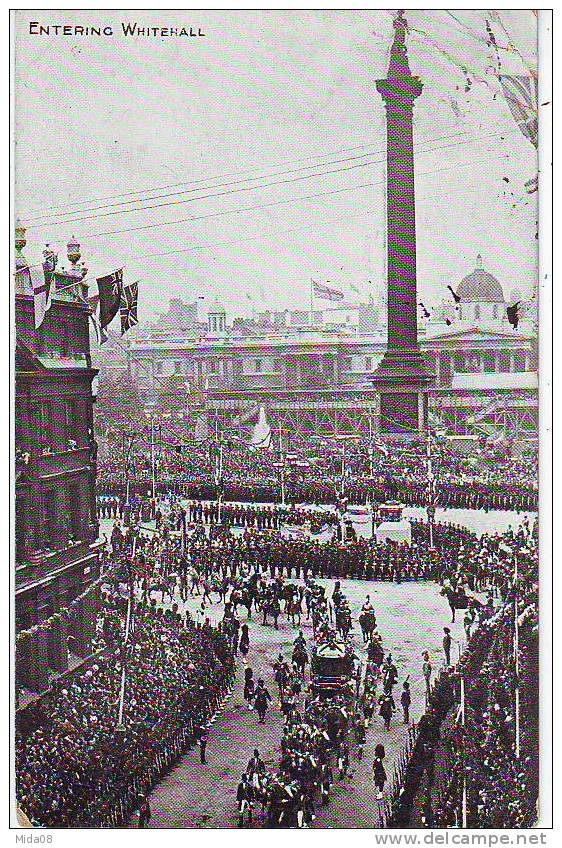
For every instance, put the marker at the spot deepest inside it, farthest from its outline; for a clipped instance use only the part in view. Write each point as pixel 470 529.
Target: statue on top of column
pixel 398 65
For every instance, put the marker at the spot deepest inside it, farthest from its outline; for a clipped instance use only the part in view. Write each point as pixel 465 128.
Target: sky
pixel 270 97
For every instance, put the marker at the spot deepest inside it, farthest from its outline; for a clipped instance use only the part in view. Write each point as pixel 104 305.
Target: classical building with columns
pixel 317 375
pixel 320 378
pixel 56 528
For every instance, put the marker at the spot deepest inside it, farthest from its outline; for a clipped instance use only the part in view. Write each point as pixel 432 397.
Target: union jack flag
pixel 129 307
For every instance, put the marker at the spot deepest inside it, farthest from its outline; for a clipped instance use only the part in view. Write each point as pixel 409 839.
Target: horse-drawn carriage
pixel 332 669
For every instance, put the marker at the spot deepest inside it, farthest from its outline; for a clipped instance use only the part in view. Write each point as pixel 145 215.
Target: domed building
pixel 481 296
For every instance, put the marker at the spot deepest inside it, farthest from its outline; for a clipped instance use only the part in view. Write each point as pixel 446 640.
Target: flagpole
pixel 282 461
pixel 516 653
pixel 124 661
pixel 429 489
pixel 311 300
pixel 464 793
pixel 153 458
pixel 371 444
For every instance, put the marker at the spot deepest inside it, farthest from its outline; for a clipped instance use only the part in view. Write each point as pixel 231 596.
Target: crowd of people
pixel 77 765
pixel 488 477
pixel 209 559
pixel 477 764
pixel 73 746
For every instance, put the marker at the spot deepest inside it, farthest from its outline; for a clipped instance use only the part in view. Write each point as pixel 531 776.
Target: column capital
pixel 399 92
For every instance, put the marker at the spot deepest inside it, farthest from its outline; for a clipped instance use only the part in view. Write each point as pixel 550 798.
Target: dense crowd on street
pixel 458 553
pixel 489 477
pixel 471 766
pixel 502 788
pixel 76 765
pixel 79 765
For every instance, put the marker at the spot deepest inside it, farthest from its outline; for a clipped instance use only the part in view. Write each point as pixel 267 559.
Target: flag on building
pixel 110 290
pixel 532 185
pixel 129 307
pixel 325 292
pixel 40 278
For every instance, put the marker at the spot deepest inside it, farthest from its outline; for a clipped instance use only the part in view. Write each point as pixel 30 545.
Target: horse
pixel 457 600
pixel 343 621
pixel 246 600
pixel 300 658
pixel 293 608
pixel 368 623
pixel 271 606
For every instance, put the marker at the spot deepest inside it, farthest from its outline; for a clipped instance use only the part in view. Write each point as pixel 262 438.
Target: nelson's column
pixel 402 377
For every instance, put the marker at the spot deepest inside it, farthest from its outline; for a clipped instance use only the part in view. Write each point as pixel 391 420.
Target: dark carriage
pixel 332 669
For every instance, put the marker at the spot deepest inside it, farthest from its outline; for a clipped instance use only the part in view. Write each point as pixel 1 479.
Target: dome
pixel 480 286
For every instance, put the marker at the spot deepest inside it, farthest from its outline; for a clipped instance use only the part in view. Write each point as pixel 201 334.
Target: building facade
pixel 56 526
pixel 321 378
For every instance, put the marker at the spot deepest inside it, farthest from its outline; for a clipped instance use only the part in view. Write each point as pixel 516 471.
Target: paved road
pixel 410 618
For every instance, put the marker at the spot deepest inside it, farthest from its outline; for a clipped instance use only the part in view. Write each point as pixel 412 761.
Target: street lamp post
pixel 342 499
pixel 371 469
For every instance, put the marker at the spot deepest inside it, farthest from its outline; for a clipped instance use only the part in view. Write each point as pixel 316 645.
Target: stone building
pixel 320 378
pixel 56 528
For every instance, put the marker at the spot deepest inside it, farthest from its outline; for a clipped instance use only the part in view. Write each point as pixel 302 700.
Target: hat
pixel 447 629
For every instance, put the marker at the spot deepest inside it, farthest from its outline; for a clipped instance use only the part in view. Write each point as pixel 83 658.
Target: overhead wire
pixel 69 219
pixel 417 147
pixel 251 188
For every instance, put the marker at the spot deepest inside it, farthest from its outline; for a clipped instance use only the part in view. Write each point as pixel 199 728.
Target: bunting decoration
pixel 261 435
pixel 520 93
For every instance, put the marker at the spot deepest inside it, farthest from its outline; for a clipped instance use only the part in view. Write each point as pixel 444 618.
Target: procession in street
pixel 276 547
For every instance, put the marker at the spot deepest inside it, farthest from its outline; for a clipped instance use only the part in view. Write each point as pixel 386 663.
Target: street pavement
pixel 410 619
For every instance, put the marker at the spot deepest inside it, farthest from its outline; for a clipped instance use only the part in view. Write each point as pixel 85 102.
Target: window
pixel 258 366
pixel 368 363
pixel 178 367
pixel 75 511
pixel 71 419
pixel 159 367
pixel 277 365
pixel 50 522
pixel 477 312
pixel 460 313
pixel 495 310
pixel 348 363
pixel 213 366
pixel 21 529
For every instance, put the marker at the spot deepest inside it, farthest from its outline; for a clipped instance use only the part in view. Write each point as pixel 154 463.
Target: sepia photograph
pixel 275 287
